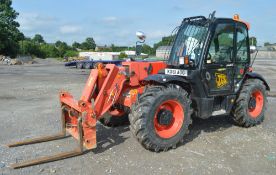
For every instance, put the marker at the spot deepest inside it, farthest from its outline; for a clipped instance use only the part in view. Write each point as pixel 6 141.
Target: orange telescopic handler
pixel 208 72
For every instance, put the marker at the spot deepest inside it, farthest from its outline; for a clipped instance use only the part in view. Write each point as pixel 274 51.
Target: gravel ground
pixel 30 107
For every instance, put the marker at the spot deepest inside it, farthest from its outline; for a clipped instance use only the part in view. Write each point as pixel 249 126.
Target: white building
pixel 163 52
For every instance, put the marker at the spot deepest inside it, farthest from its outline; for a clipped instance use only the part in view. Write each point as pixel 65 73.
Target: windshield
pixel 189 42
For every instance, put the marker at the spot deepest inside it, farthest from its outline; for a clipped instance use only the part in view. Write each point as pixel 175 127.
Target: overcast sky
pixel 116 21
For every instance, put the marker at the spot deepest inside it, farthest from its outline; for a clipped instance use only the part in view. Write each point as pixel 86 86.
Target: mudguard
pixel 257 76
pixel 163 78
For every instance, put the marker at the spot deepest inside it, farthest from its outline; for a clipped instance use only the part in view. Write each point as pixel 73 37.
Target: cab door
pixel 218 67
pixel 242 61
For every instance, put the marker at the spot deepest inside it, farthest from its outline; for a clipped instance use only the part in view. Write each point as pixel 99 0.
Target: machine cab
pixel 214 52
pixel 227 57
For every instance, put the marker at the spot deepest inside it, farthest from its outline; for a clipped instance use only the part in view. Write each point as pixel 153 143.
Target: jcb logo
pixel 221 80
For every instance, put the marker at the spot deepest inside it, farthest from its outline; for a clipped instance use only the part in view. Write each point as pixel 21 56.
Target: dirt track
pixel 29 107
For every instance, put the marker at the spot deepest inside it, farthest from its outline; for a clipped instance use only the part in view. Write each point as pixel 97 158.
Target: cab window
pixel 242 45
pixel 222 45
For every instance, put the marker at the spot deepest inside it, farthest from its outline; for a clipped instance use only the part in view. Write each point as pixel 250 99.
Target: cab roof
pixel 212 19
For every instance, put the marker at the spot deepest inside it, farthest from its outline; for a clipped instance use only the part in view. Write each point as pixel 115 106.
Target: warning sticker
pixel 221 80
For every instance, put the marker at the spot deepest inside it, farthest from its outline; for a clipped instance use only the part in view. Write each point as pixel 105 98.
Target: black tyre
pixel 161 116
pixel 87 66
pixel 79 65
pixel 119 117
pixel 250 106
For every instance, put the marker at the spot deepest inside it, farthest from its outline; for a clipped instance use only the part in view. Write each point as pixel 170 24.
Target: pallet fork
pixel 79 117
pixel 61 135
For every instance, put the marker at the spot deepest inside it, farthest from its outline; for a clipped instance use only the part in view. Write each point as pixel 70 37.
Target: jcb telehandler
pixel 208 73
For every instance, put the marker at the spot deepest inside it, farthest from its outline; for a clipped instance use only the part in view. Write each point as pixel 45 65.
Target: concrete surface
pixel 266 54
pixel 29 107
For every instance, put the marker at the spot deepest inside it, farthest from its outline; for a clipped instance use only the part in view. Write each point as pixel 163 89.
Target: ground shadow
pixel 212 124
pixel 109 137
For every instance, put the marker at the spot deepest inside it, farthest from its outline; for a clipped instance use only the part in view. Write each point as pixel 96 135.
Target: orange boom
pixel 106 86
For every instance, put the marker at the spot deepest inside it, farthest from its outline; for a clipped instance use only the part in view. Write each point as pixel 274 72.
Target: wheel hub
pixel 164 117
pixel 252 103
pixel 169 118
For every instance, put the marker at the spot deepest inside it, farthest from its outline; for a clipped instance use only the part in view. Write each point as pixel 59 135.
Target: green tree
pixel 38 39
pixel 253 41
pixel 105 49
pixel 76 45
pixel 123 55
pixel 113 47
pixel 71 53
pixel 88 44
pixel 62 47
pixel 147 49
pixel 49 50
pixel 9 32
pixel 267 44
pixel 58 43
pixel 28 47
pixel 164 42
pixel 39 48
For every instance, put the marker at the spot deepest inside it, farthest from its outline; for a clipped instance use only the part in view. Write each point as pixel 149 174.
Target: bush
pixel 30 48
pixel 122 55
pixel 49 50
pixel 71 53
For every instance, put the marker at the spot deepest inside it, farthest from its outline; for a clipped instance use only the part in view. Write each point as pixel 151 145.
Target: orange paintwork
pixel 106 86
pixel 79 109
pixel 257 110
pixel 129 95
pixel 168 131
pixel 186 60
pixel 237 18
pixel 110 91
pixel 140 70
pixel 87 91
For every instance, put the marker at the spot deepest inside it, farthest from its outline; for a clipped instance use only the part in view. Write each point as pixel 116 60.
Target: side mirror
pixel 142 37
pixel 253 49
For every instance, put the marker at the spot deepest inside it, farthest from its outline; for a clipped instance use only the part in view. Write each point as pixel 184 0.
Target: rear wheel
pixel 161 116
pixel 87 66
pixel 250 105
pixel 79 65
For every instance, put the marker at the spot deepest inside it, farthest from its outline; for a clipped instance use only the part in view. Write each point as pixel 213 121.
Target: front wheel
pixel 250 106
pixel 161 116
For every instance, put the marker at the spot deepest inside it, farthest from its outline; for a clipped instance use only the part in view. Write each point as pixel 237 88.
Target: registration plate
pixel 178 72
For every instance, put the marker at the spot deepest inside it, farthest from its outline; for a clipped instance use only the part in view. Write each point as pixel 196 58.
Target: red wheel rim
pixel 168 131
pixel 259 98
